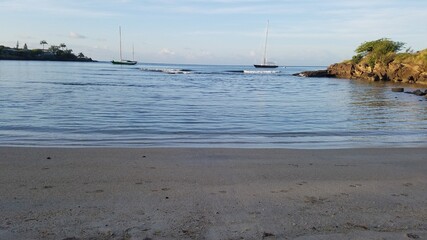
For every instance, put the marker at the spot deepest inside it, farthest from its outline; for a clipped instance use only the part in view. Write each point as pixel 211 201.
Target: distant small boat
pixel 123 61
pixel 265 63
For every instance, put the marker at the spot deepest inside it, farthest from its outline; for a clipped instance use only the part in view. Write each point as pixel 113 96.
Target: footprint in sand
pixel 223 191
pixel 408 184
pixel 398 195
pixel 355 185
pixel 301 183
pixel 314 200
pixel 96 191
pixel 280 191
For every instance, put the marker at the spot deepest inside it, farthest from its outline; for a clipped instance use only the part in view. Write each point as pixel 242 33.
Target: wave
pixel 260 71
pixel 168 70
pixel 188 71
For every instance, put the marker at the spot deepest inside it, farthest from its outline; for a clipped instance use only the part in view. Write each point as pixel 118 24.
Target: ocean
pixel 166 105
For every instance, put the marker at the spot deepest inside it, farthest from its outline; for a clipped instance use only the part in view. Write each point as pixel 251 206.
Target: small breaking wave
pixel 260 72
pixel 168 70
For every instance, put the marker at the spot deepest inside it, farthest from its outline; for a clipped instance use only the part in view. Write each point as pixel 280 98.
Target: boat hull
pixel 124 62
pixel 265 66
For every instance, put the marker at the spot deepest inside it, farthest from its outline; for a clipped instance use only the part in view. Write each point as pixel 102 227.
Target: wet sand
pixel 198 193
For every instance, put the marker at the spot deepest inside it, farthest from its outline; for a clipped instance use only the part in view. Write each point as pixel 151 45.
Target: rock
pixel 412 236
pixel 397 89
pixel 267 234
pixel 319 73
pixel 342 70
pixel 418 92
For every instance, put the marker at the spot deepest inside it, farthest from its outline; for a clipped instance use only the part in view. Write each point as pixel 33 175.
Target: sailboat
pixel 123 61
pixel 265 63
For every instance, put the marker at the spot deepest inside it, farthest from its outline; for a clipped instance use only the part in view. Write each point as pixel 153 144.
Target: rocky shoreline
pixel 398 73
pixel 379 60
pixel 340 70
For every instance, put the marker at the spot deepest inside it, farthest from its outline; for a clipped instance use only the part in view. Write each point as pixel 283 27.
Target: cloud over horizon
pixel 75 35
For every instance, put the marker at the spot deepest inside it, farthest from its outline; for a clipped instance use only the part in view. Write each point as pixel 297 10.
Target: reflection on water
pixel 99 104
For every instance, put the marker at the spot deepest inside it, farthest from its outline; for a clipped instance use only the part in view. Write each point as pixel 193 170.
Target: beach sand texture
pixel 212 193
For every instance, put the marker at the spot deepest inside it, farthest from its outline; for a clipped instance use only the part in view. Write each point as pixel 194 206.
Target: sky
pixel 304 32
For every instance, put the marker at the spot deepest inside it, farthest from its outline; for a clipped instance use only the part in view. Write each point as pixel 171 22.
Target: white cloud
pixel 76 35
pixel 165 51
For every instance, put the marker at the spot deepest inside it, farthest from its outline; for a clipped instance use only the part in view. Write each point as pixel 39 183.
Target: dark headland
pixel 379 60
pixel 53 53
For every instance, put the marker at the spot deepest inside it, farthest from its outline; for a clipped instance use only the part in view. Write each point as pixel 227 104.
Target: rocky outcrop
pixel 319 73
pixel 402 67
pixel 395 72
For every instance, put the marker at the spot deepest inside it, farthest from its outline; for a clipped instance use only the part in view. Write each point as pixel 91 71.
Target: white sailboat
pixel 264 63
pixel 123 61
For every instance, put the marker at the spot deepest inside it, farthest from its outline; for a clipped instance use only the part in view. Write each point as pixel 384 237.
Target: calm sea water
pixel 100 104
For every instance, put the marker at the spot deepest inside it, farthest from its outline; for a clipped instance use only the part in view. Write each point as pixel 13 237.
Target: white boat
pixel 123 61
pixel 264 63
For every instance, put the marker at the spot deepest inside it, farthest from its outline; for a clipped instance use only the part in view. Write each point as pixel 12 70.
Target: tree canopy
pixel 381 46
pixel 378 51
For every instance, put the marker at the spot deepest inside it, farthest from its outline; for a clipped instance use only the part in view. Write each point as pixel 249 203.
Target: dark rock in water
pixel 319 73
pixel 418 92
pixel 397 89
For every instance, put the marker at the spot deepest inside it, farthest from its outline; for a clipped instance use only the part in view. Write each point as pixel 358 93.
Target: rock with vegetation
pixel 381 60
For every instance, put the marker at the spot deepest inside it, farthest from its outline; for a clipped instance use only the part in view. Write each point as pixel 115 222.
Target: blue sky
pixel 304 32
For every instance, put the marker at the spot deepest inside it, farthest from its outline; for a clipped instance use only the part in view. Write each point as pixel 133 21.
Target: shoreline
pixel 213 193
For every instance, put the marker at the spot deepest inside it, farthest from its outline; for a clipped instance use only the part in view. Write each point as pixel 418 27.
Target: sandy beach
pixel 199 193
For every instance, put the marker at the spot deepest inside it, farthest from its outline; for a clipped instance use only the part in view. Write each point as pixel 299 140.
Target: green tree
pixel 43 42
pixel 378 51
pixel 62 45
pixel 25 47
pixel 381 46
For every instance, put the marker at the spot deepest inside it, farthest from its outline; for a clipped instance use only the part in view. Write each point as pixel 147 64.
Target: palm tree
pixel 43 42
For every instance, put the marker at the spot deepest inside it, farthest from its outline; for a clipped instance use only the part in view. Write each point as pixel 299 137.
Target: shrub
pixel 357 58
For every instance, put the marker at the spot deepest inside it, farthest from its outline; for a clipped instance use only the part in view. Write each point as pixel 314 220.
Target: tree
pixel 81 55
pixel 378 51
pixel 62 45
pixel 43 42
pixel 54 49
pixel 25 47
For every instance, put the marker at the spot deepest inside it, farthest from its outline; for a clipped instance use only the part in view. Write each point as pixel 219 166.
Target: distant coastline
pixel 54 53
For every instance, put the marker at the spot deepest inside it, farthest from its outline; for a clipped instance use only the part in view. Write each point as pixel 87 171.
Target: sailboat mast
pixel 265 45
pixel 133 52
pixel 120 34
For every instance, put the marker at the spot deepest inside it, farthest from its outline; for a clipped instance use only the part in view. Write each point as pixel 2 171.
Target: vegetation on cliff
pixel 53 53
pixel 384 51
pixel 379 51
